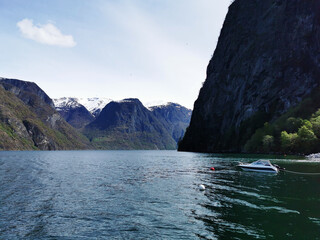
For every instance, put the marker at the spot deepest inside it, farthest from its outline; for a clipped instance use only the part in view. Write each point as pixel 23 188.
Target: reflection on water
pixel 154 194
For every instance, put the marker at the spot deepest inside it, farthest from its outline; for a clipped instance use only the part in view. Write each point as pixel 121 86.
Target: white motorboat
pixel 259 166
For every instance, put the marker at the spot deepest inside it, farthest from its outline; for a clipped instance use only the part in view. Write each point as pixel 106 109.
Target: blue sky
pixel 149 49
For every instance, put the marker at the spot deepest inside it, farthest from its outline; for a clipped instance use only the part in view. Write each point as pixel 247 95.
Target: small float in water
pixel 259 166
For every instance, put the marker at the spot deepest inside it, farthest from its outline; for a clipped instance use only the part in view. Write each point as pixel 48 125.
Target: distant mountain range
pixel 126 124
pixel 30 119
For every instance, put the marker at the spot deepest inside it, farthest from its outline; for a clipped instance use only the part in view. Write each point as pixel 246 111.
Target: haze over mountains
pixel 30 119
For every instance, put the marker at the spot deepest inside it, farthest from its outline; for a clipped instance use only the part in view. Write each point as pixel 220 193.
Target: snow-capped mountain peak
pixel 66 102
pixel 94 105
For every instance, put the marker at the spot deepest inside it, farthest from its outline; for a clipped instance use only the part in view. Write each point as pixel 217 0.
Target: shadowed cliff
pixel 265 63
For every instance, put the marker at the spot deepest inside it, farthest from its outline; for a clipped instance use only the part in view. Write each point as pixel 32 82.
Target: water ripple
pixel 151 195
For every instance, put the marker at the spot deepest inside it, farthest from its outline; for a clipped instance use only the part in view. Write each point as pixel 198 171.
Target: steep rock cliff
pixel 266 61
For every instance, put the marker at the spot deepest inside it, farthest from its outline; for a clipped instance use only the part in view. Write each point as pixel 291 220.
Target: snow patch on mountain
pixel 151 104
pixel 66 102
pixel 160 104
pixel 94 104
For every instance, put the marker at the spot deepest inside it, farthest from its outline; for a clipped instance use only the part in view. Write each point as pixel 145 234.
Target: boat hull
pixel 258 169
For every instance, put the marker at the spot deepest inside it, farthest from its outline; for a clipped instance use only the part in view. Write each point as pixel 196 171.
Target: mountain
pixel 73 112
pixel 174 117
pixel 28 120
pixel 264 71
pixel 94 105
pixel 127 124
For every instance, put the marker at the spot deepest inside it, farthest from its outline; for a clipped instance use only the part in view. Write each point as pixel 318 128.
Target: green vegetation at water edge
pixel 295 132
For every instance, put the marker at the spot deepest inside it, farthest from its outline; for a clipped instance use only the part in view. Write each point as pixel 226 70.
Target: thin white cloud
pixel 45 34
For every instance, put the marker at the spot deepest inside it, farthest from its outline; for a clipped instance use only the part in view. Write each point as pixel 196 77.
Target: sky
pixel 154 50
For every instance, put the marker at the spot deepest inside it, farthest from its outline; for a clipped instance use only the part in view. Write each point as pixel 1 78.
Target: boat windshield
pixel 262 162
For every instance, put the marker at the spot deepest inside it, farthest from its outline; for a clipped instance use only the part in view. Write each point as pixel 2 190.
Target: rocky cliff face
pixel 267 60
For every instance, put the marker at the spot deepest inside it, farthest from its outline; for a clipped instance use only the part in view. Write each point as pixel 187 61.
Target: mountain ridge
pixel 29 121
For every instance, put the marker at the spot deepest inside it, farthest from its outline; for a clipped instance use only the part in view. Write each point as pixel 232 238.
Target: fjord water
pixel 153 195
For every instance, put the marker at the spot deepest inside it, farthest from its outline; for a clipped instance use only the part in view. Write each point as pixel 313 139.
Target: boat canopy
pixel 262 163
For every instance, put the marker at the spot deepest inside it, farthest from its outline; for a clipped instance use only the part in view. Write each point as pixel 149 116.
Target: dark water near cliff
pixel 153 195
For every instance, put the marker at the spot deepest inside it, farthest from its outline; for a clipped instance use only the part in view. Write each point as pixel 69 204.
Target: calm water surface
pixel 153 195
